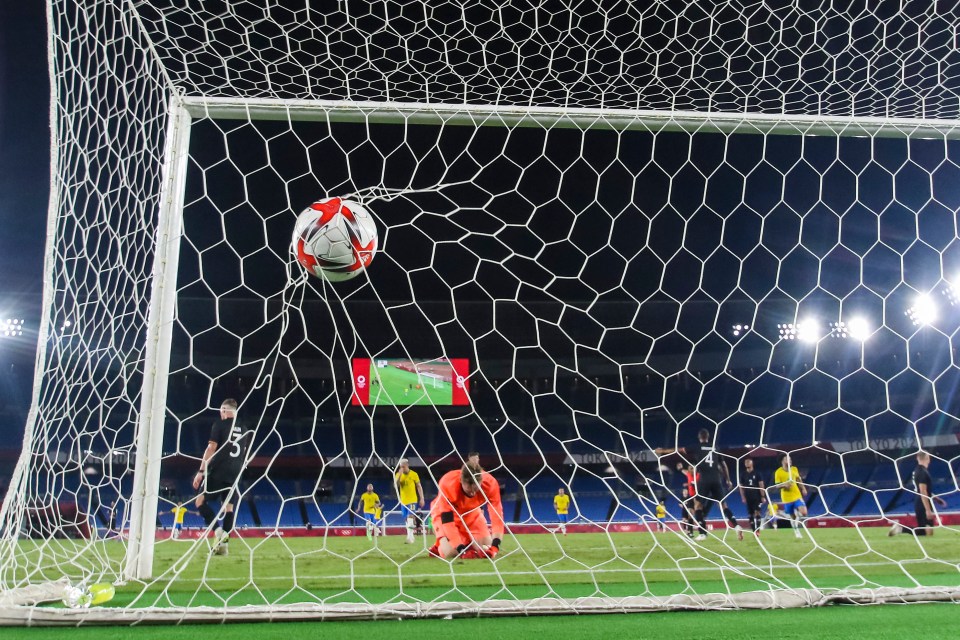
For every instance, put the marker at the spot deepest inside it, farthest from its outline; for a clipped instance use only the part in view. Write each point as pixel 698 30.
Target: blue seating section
pixel 854 483
pixel 839 488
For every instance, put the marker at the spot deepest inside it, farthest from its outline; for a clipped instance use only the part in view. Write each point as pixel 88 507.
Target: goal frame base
pixel 26 615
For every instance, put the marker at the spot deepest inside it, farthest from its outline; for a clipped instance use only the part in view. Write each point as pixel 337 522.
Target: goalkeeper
pixel 457 514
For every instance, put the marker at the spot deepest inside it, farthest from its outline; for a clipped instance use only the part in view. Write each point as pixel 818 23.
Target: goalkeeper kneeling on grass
pixel 457 515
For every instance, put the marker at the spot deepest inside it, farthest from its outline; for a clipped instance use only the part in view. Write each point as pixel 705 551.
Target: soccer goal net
pixel 682 275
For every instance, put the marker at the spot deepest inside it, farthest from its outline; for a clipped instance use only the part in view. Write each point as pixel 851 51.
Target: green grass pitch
pixel 335 569
pixel 893 622
pixel 262 570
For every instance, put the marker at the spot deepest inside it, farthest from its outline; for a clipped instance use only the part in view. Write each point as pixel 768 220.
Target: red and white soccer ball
pixel 335 239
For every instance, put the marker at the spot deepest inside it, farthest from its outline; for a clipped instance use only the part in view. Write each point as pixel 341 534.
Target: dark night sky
pixel 24 156
pixel 24 193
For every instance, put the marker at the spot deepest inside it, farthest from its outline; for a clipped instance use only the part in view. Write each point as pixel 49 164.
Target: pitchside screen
pixel 401 381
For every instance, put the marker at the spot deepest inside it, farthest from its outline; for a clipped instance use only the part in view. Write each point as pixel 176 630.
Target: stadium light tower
pixel 808 330
pixel 11 328
pixel 858 328
pixel 923 311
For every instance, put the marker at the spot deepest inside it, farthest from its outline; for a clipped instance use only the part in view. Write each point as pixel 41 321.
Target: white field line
pixel 413 576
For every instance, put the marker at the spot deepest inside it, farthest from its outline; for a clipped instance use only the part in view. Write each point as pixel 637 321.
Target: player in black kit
pixel 223 462
pixel 923 504
pixel 753 493
pixel 713 482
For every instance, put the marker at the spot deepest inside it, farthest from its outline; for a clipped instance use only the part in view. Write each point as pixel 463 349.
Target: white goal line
pixel 766 568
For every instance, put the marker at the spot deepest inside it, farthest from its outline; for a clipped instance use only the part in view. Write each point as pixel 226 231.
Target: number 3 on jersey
pixel 235 443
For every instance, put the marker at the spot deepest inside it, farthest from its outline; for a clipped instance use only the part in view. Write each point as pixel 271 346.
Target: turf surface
pixel 316 569
pixel 828 623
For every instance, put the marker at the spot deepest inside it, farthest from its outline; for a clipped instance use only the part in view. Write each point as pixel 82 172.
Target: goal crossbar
pixel 564 117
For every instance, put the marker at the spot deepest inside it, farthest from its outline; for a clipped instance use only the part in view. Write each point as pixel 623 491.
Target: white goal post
pixel 146 478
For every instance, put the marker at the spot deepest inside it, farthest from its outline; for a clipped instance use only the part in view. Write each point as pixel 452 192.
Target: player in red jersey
pixel 457 514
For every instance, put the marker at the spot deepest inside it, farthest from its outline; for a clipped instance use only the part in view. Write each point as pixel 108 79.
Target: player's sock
pixel 701 521
pixel 410 528
pixel 228 519
pixel 728 515
pixel 207 513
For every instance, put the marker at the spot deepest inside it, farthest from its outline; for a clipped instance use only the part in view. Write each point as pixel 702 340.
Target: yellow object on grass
pixel 83 597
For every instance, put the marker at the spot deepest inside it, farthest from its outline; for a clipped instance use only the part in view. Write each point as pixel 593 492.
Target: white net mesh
pixel 616 280
pixel 736 56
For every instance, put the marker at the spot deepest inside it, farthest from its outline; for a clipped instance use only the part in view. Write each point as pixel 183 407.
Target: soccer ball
pixel 335 239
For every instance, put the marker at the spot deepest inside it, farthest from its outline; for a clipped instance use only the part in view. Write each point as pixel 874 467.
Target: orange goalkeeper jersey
pixel 451 498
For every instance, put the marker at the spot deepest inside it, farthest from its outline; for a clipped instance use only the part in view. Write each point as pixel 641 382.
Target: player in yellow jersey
pixel 410 493
pixel 661 516
pixel 178 512
pixel 368 506
pixel 561 503
pixel 772 515
pixel 792 492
